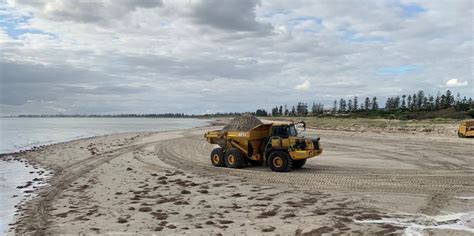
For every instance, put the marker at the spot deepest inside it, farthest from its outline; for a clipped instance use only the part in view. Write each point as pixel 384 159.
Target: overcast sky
pixel 146 56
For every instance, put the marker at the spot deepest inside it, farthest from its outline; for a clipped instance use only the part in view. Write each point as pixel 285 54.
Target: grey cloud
pixel 182 61
pixel 106 89
pixel 33 3
pixel 21 82
pixel 202 67
pixel 234 15
pixel 88 11
pixel 24 73
pixel 211 68
pixel 19 94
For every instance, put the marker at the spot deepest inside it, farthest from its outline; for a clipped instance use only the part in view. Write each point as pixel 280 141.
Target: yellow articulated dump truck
pixel 466 129
pixel 275 145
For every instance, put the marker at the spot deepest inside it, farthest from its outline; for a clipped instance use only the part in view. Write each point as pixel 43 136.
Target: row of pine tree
pixel 404 103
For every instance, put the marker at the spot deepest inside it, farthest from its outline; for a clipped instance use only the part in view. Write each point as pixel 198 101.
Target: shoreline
pixel 29 178
pixel 135 172
pixel 38 186
pixel 24 134
pixel 34 185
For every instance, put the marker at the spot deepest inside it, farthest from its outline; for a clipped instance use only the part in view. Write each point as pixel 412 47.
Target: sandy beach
pixel 150 117
pixel 163 182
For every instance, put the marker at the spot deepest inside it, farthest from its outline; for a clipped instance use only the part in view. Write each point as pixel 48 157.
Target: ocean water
pixel 17 182
pixel 17 179
pixel 23 133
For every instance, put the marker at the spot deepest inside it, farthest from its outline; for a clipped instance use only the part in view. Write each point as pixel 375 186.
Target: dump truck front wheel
pixel 234 158
pixel 217 157
pixel 298 164
pixel 280 161
pixel 460 135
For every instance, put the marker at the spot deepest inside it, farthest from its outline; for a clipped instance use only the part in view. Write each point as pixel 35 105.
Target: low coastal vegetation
pixel 440 126
pixel 404 107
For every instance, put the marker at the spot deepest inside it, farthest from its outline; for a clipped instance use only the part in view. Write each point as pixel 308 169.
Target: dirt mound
pixel 242 123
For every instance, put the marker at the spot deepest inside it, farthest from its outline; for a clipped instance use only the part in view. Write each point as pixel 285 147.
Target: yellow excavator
pixel 466 129
pixel 275 145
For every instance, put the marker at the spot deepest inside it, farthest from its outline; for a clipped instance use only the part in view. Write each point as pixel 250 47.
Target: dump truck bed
pixel 466 128
pixel 469 123
pixel 221 137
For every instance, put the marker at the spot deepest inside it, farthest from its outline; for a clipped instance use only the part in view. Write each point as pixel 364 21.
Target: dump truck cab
pixel 275 145
pixel 466 129
pixel 284 130
pixel 285 137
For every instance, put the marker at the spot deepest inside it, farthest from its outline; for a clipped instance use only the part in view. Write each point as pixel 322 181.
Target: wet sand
pixel 164 183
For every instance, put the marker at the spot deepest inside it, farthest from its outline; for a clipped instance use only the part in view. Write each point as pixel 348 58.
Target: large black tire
pixel 217 157
pixel 298 164
pixel 280 161
pixel 234 158
pixel 460 135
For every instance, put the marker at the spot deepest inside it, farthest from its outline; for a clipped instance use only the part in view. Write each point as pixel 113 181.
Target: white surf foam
pixel 416 224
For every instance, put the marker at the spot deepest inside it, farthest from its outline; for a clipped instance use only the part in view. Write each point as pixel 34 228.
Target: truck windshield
pixel 292 131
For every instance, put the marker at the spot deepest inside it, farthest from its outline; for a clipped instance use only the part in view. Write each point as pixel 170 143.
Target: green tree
pixel 314 109
pixel 404 105
pixel 302 109
pixel 375 105
pixel 437 101
pixel 356 104
pixel 275 111
pixel 389 104
pixel 396 103
pixel 342 106
pixel 261 112
pixel 414 102
pixel 367 103
pixel 409 103
pixel 420 99
pixel 444 102
pixel 449 98
pixel 431 104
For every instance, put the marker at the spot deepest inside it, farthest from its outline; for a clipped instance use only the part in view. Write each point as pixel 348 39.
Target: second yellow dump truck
pixel 275 145
pixel 466 129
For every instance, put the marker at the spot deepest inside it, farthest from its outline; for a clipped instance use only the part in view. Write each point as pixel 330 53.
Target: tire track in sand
pixel 37 215
pixel 191 154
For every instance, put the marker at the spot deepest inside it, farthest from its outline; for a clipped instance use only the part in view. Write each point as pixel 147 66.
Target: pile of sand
pixel 242 123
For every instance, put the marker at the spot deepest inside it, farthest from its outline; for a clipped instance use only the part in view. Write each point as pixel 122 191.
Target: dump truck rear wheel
pixel 217 157
pixel 298 164
pixel 280 161
pixel 234 158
